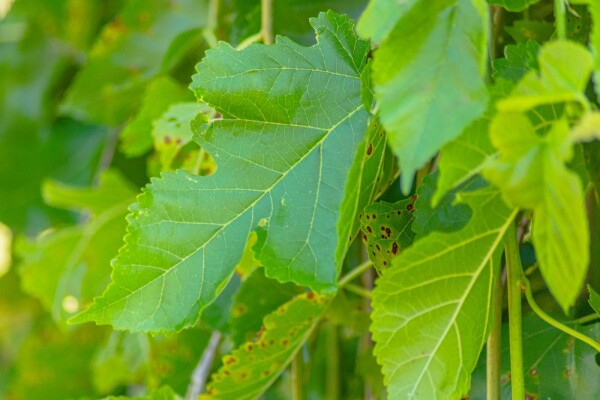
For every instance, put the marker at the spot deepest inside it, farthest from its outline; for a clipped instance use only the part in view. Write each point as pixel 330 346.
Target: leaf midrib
pixel 464 297
pixel 224 226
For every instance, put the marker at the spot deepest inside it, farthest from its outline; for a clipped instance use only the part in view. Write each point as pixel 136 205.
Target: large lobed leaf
pixel 428 72
pixel 431 310
pixel 295 164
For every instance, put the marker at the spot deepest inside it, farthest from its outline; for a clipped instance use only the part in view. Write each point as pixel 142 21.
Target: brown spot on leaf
pixel 266 373
pixel 568 372
pixel 168 139
pixel 370 149
pixel 410 207
pixel 533 372
pixel 230 360
pixel 285 342
pixel 369 229
pixel 394 248
pixel 530 397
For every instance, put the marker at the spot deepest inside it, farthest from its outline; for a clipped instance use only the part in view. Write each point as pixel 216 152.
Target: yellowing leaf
pixel 251 368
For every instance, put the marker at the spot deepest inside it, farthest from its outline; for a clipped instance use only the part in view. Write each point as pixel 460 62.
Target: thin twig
pixel 203 368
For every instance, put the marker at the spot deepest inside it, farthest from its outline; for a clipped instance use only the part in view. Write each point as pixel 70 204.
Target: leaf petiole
pixel 558 325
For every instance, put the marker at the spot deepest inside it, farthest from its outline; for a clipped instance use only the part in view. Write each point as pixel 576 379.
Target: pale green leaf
pixel 513 5
pixel 386 230
pixel 290 149
pixel 251 368
pixel 172 131
pixel 564 72
pixel 431 310
pixel 594 300
pixel 588 128
pixel 70 266
pixel 421 119
pixel 5 248
pixel 136 138
pixel 532 174
pixel 463 158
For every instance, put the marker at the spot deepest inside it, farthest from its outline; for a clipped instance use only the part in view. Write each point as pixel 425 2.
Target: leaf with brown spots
pixel 386 230
pixel 251 368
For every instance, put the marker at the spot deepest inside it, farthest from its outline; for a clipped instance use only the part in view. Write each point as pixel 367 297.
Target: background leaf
pixel 251 368
pixel 386 230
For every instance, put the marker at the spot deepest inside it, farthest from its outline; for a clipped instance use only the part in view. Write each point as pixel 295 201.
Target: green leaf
pixel 6 239
pixel 594 300
pixel 513 5
pixel 127 56
pixel 532 174
pixel 557 366
pixel 120 360
pixel 386 230
pixel 251 368
pixel 257 297
pixel 530 29
pixel 564 72
pixel 431 310
pixel 446 216
pixel 70 266
pixel 136 138
pixel 421 119
pixel 172 131
pixel 519 59
pixel 463 158
pixel 54 364
pixel 173 358
pixel 187 233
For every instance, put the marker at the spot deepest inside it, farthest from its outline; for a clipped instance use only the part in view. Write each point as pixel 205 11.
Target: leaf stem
pixel 212 22
pixel 203 368
pixel 297 393
pixel 560 19
pixel 356 289
pixel 266 12
pixel 494 346
pixel 558 325
pixel 355 273
pixel 332 390
pixel 249 40
pixel 514 288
